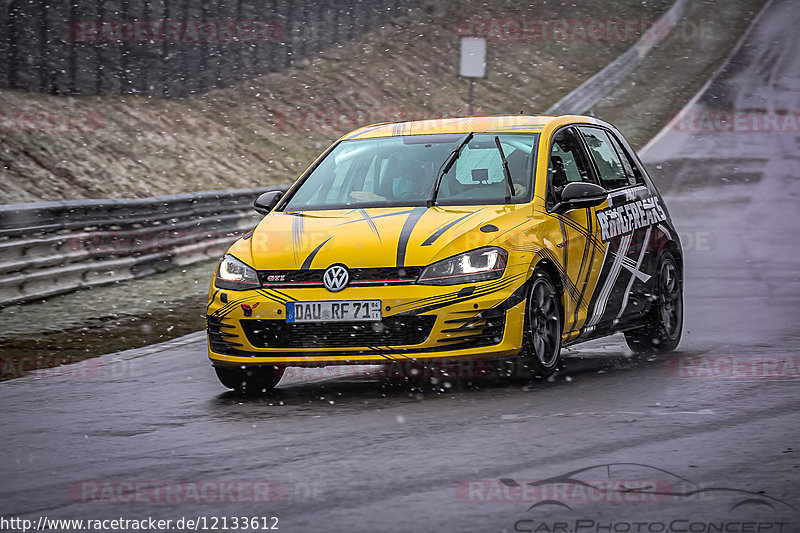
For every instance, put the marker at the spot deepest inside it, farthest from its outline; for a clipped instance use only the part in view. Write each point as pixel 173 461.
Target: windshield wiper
pixel 509 183
pixel 445 168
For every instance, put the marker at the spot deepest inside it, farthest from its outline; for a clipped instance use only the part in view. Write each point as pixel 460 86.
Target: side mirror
pixel 580 195
pixel 267 201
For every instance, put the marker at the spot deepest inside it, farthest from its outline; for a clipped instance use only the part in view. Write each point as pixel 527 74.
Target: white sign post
pixel 473 63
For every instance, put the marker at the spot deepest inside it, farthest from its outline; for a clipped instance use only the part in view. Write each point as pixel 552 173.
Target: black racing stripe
pixel 450 296
pixel 438 233
pixel 377 217
pixel 476 294
pixel 605 271
pixel 385 353
pixel 486 289
pixel 371 223
pixel 583 265
pixel 310 258
pixel 405 233
pixel 213 297
pixel 574 225
pixel 412 303
pixel 566 281
pixel 227 306
pixel 516 297
pixel 582 230
pixel 583 300
pixel 284 295
pixel 225 311
pixel 433 307
pixel 274 298
pixel 564 240
pixel 531 248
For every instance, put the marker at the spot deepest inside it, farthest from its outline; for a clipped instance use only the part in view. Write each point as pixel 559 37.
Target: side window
pixel 631 170
pixel 612 173
pixel 567 163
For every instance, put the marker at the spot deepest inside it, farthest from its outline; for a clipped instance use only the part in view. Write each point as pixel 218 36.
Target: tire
pixel 541 343
pixel 250 380
pixel 663 325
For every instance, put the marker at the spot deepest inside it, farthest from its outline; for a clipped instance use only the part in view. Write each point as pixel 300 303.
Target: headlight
pixel 234 275
pixel 478 265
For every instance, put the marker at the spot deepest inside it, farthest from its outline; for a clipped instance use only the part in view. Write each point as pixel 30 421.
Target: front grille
pixel 391 331
pixel 358 277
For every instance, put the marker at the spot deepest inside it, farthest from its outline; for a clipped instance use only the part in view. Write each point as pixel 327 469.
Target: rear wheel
pixel 664 321
pixel 250 380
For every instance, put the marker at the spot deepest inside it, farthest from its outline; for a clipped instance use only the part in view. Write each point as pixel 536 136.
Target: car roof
pixel 488 124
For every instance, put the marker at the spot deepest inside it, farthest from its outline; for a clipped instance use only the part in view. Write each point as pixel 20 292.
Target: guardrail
pixel 49 248
pixel 581 100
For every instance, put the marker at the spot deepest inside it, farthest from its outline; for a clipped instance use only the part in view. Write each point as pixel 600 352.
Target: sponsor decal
pixel 629 216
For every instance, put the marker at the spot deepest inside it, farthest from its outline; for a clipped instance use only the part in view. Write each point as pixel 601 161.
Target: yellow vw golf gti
pixel 502 238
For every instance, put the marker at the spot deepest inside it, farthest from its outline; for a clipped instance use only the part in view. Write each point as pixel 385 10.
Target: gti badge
pixel 335 278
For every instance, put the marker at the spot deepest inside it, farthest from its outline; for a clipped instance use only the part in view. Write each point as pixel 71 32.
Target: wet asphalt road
pixel 355 454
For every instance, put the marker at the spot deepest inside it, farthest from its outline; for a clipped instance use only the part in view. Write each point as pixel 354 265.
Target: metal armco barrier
pixel 49 248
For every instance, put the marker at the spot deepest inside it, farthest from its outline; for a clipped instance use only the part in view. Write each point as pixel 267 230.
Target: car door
pixel 580 248
pixel 626 227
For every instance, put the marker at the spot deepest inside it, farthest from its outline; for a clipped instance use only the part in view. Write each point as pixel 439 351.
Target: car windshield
pixel 401 171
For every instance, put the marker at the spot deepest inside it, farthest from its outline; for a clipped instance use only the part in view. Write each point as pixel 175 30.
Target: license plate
pixel 334 311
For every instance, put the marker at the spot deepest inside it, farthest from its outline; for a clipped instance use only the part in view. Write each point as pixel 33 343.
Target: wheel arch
pixel 555 275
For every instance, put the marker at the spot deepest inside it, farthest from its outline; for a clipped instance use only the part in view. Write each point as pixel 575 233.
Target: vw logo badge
pixel 336 278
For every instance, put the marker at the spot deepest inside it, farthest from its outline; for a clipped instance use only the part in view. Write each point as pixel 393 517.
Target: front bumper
pixel 419 321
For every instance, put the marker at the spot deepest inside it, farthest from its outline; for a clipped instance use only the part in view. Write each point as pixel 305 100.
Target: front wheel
pixel 250 380
pixel 664 321
pixel 541 351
